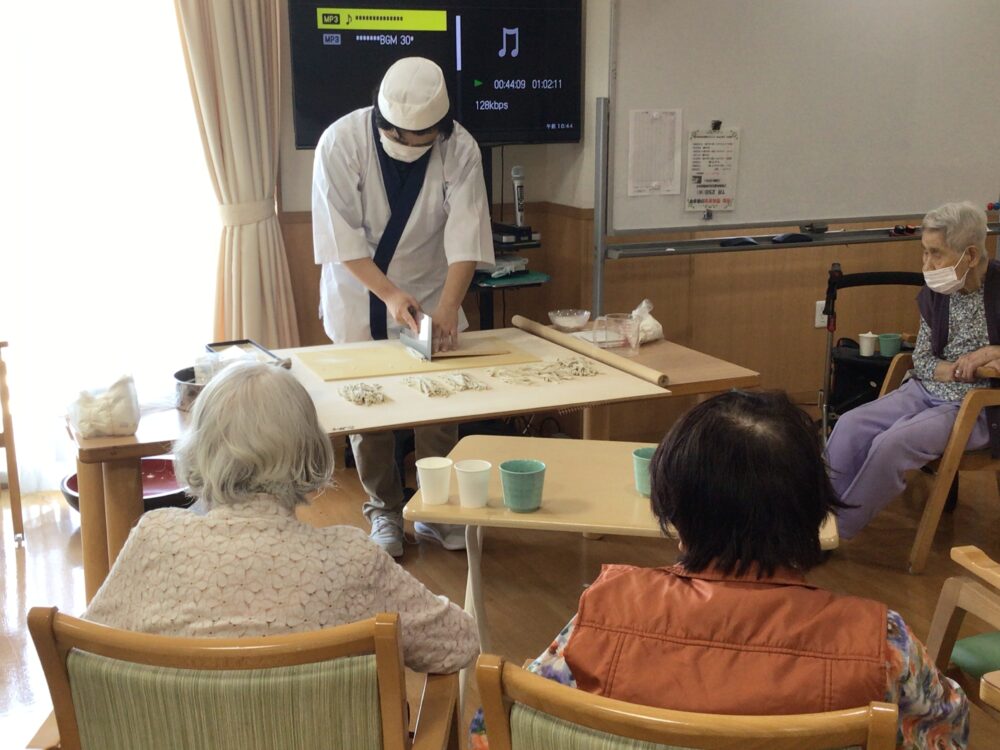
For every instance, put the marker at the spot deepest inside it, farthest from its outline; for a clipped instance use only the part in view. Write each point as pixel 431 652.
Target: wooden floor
pixel 524 572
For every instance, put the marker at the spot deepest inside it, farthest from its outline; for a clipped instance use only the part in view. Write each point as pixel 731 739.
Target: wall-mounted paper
pixel 713 163
pixel 654 152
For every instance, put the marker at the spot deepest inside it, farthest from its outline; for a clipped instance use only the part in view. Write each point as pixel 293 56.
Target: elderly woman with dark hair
pixel 734 627
pixel 254 451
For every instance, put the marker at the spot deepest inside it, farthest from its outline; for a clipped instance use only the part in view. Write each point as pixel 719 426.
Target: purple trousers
pixel 872 446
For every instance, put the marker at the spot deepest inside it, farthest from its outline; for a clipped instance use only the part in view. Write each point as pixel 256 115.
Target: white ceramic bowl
pixel 569 320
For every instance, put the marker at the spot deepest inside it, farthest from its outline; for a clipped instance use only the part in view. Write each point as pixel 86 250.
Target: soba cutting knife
pixel 420 346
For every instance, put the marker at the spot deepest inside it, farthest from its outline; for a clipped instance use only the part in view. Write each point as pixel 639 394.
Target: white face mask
pixel 945 280
pixel 402 152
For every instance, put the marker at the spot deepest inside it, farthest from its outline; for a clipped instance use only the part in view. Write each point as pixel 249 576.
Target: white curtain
pixel 107 261
pixel 233 55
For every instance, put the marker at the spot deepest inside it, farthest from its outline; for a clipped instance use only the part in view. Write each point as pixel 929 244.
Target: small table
pixel 589 487
pixel 110 485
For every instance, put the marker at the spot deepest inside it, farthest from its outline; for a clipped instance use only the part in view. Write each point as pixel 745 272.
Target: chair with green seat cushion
pixel 336 688
pixel 304 707
pixel 531 728
pixel 968 659
pixel 977 654
pixel 524 711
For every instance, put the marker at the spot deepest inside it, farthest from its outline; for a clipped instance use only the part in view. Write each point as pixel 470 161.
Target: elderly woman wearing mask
pixel 874 445
pixel 248 567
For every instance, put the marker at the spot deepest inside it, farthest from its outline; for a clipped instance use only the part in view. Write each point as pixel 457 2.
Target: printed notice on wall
pixel 654 152
pixel 713 162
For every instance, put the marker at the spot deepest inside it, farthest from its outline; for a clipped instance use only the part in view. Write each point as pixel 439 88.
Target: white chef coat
pixel 450 222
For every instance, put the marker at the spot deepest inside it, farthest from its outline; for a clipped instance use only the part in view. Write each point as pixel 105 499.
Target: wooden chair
pixel 7 441
pixel 524 711
pixel 336 688
pixel 954 458
pixel 976 657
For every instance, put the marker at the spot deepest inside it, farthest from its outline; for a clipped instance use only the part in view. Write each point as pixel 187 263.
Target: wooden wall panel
pixel 296 230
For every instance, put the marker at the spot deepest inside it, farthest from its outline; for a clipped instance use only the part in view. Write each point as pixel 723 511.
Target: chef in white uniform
pixel 400 221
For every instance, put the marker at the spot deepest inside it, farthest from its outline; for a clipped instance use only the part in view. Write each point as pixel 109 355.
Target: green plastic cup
pixel 889 344
pixel 522 480
pixel 640 467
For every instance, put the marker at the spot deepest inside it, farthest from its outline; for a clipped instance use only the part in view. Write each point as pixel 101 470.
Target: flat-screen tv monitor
pixel 514 68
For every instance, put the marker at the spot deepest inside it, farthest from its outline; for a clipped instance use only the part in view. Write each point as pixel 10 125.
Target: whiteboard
pixel 846 108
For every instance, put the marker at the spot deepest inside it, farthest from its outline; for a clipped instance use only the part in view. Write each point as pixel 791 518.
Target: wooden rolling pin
pixel 590 350
pixel 987 372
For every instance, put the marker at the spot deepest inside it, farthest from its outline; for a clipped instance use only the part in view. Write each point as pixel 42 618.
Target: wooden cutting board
pixel 479 348
pixel 392 358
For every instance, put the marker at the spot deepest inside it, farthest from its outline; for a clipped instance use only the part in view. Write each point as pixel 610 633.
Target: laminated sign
pixel 713 159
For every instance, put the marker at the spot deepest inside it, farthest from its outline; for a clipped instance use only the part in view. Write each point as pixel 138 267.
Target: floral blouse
pixel 966 333
pixel 933 710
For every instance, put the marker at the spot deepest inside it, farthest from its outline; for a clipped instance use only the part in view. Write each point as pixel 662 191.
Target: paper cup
pixel 522 481
pixel 868 343
pixel 434 476
pixel 473 483
pixel 641 458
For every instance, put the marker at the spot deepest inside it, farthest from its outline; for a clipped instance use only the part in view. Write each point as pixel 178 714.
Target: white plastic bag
pixel 649 327
pixel 106 412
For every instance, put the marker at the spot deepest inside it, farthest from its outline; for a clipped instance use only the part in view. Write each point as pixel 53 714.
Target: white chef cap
pixel 413 95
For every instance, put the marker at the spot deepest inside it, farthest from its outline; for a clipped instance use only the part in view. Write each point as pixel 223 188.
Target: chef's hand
pixel 445 328
pixel 403 308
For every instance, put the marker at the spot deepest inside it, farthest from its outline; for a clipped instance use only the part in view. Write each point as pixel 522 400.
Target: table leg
pixel 596 426
pixel 93 528
pixel 122 502
pixel 597 423
pixel 474 583
pixel 474 601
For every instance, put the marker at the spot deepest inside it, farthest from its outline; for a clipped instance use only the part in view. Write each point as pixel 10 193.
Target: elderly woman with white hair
pixel 874 445
pixel 248 566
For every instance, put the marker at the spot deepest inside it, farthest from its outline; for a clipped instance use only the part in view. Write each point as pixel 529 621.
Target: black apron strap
pixel 401 193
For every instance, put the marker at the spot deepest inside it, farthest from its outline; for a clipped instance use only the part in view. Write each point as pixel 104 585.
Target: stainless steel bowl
pixel 187 390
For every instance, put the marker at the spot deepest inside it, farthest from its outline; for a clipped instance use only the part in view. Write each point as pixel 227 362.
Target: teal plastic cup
pixel 641 458
pixel 522 480
pixel 889 344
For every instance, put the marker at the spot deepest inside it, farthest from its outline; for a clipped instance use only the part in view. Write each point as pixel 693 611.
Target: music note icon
pixel 516 33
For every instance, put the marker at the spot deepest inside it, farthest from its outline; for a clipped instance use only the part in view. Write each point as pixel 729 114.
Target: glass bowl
pixel 569 320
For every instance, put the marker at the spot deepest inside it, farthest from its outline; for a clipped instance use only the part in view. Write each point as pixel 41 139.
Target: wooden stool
pixel 7 441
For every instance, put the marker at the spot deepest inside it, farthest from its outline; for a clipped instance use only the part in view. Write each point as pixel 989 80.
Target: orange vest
pixel 726 644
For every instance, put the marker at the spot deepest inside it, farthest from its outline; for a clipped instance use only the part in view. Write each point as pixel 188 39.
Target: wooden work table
pixel 110 482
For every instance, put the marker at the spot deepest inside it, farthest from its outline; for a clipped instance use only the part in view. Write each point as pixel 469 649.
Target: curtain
pixel 232 49
pixel 107 263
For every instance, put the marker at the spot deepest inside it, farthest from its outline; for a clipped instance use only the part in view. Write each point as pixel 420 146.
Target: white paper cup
pixel 434 476
pixel 473 482
pixel 867 343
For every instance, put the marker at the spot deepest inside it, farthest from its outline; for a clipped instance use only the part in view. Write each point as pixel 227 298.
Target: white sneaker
pixel 450 536
pixel 387 533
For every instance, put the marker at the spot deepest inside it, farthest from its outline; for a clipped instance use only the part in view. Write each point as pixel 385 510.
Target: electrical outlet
pixel 819 319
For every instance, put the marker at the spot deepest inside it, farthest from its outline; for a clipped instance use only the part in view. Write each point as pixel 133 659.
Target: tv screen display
pixel 514 69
